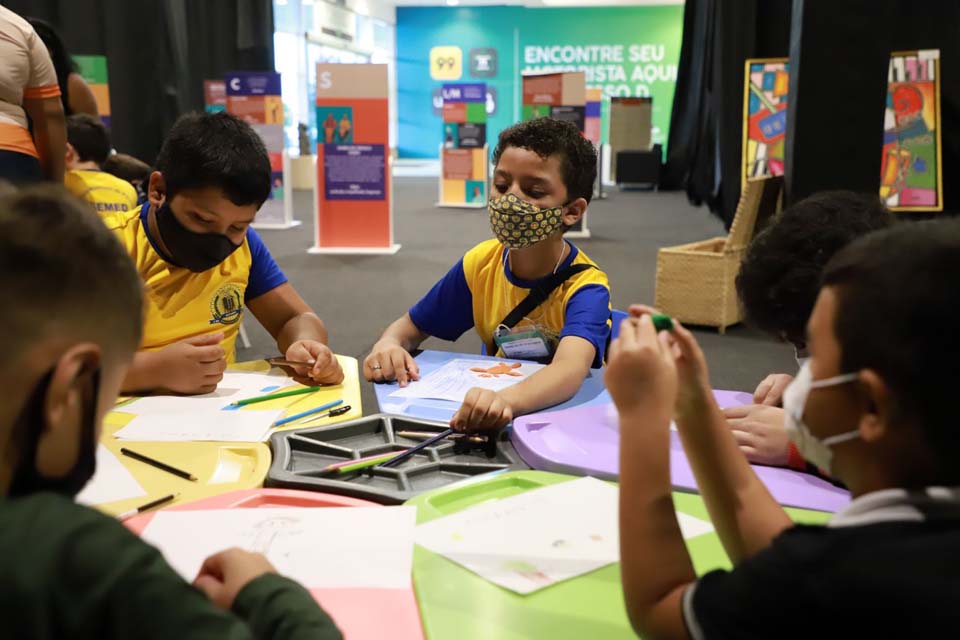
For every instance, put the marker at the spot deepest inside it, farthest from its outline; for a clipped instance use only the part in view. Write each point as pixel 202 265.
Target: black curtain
pixel 159 52
pixel 706 128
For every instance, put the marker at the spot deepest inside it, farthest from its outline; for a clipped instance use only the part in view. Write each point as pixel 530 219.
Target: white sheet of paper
pixel 236 385
pixel 111 482
pixel 454 379
pixel 342 547
pixel 220 426
pixel 538 538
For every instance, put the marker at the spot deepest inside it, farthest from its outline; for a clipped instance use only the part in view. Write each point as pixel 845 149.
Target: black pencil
pixel 159 465
pixel 412 450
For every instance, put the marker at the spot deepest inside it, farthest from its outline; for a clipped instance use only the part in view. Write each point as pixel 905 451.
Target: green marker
pixel 661 322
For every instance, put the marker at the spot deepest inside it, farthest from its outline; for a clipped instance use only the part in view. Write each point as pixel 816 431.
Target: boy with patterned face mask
pixel 875 406
pixel 529 293
pixel 201 263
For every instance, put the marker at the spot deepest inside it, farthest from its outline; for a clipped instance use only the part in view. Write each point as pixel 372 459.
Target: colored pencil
pixel 163 466
pixel 304 414
pixel 283 362
pixel 424 435
pixel 274 396
pixel 146 507
pixel 412 450
pixel 361 463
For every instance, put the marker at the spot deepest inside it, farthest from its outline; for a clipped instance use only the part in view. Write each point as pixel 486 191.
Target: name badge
pixel 523 345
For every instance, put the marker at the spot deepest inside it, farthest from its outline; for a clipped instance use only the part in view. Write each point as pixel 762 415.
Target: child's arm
pixel 483 409
pixel 300 334
pixel 390 357
pixel 746 516
pixel 642 379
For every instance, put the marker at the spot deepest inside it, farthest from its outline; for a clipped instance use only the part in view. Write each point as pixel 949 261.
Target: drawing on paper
pixel 501 369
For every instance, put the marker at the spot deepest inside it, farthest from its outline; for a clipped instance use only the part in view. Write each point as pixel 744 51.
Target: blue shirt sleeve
pixel 446 312
pixel 265 274
pixel 586 317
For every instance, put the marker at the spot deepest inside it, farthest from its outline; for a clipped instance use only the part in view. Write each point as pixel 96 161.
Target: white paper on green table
pixel 111 482
pixel 218 426
pixel 235 385
pixel 348 547
pixel 455 378
pixel 538 538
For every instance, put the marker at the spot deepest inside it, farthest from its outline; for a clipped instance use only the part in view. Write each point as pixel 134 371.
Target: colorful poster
pixel 214 96
pixel 464 168
pixel 354 171
pixel 911 175
pixel 354 209
pixel 765 117
pixel 254 96
pixel 93 69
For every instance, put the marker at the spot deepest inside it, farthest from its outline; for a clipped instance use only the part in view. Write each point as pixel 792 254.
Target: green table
pixel 456 603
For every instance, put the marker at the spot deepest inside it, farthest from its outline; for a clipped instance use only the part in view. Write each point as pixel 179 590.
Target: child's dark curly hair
pixel 780 276
pixel 548 137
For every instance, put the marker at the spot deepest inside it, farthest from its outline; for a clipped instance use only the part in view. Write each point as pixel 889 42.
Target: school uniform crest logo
pixel 227 305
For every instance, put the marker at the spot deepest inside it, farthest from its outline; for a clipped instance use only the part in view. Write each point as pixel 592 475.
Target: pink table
pixel 359 613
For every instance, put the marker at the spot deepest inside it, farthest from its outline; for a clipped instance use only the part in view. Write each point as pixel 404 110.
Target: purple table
pixel 585 441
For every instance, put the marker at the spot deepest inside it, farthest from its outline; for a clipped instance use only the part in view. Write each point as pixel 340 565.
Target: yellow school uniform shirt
pixel 182 304
pixel 480 291
pixel 107 193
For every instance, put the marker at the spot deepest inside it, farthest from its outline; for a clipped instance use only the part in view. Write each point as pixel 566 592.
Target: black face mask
pixel 197 252
pixel 29 427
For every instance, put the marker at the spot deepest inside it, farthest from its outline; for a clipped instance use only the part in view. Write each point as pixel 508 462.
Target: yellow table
pixel 219 466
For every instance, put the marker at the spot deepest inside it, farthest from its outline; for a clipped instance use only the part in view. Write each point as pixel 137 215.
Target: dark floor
pixel 357 296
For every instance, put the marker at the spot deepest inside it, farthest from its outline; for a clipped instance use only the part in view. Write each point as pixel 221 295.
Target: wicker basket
pixel 695 282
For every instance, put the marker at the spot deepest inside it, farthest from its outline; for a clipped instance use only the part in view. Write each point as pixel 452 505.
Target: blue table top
pixel 591 392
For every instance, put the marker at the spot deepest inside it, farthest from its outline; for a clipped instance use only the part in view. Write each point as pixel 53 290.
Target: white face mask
pixel 816 452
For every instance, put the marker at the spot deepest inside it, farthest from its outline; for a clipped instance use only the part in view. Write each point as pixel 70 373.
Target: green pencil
pixel 370 462
pixel 274 396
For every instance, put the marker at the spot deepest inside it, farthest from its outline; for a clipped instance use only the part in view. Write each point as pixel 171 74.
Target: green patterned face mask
pixel 518 224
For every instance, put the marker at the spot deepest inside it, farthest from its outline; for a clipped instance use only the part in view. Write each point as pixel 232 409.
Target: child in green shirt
pixel 72 322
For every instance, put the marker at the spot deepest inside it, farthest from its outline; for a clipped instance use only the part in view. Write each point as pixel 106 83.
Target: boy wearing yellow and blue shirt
pixel 201 263
pixel 543 183
pixel 88 147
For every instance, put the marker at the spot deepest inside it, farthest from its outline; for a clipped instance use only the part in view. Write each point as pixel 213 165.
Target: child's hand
pixel 192 366
pixel 225 574
pixel 388 361
pixel 770 390
pixel 482 410
pixel 694 392
pixel 760 433
pixel 641 374
pixel 326 368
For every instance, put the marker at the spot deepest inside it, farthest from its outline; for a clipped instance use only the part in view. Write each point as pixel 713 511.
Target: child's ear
pixel 71 157
pixel 156 189
pixel 877 410
pixel 63 409
pixel 574 211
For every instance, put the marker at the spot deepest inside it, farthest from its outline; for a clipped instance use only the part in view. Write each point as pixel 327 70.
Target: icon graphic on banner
pixel 335 124
pixel 446 63
pixel 437 101
pixel 491 100
pixel 483 62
